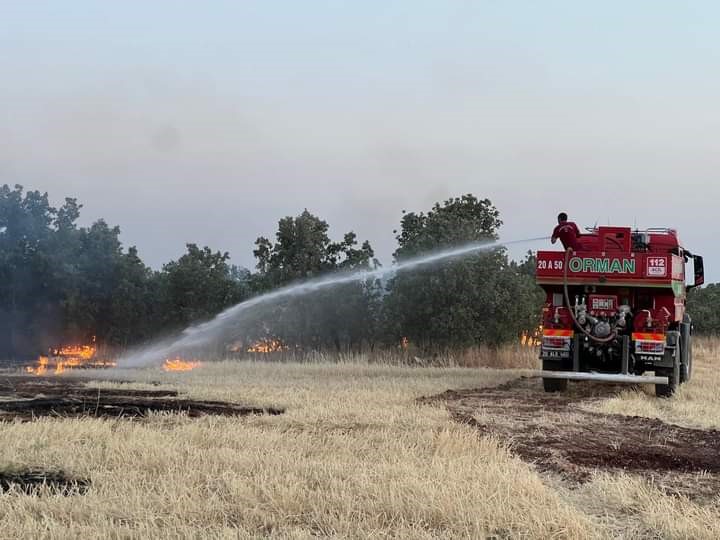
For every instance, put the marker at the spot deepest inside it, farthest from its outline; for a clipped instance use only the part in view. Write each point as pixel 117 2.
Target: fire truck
pixel 615 309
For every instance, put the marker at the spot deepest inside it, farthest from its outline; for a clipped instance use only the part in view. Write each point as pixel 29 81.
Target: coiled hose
pixel 596 339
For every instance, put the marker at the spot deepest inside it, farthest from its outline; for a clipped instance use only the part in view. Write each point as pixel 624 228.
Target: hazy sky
pixel 208 121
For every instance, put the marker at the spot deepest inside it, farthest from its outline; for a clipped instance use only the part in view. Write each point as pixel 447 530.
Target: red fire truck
pixel 615 309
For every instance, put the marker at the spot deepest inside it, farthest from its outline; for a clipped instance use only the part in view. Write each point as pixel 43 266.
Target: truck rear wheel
pixel 554 385
pixel 665 390
pixel 673 374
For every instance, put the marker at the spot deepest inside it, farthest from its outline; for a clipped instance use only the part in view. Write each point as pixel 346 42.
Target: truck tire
pixel 665 390
pixel 688 346
pixel 686 367
pixel 673 375
pixel 554 385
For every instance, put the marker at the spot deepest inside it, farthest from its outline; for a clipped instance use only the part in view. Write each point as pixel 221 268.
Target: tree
pixel 26 221
pixel 199 285
pixel 458 221
pixel 704 307
pixel 133 309
pixel 340 317
pixel 478 298
pixel 303 250
pixel 61 284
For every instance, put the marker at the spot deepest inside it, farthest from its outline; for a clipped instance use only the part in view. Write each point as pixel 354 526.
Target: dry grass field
pixel 356 454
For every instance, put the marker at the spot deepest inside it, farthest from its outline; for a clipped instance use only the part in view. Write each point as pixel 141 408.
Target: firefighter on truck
pixel 567 232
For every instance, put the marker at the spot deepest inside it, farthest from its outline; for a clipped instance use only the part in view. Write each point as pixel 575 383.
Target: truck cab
pixel 615 309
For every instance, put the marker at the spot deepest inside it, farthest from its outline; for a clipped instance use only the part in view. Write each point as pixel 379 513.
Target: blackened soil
pixel 555 433
pixel 27 398
pixel 32 482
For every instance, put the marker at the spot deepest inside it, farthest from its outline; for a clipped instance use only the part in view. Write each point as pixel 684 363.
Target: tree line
pixel 64 283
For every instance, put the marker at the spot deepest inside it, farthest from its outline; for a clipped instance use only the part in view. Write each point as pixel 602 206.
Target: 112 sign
pixel 657 267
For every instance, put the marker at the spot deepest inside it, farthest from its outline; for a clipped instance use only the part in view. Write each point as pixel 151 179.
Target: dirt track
pixel 556 434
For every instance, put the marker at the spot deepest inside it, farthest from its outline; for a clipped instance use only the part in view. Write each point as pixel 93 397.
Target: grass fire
pixel 69 357
pixel 267 345
pixel 180 364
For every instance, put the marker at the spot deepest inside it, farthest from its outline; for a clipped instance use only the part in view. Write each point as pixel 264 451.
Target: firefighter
pixel 567 232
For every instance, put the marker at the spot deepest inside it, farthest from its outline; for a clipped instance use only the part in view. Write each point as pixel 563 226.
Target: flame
pixel 531 338
pixel 178 364
pixel 268 345
pixel 69 357
pixel 40 368
pixel 76 353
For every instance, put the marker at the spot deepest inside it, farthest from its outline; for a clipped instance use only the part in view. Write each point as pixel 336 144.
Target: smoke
pixel 201 335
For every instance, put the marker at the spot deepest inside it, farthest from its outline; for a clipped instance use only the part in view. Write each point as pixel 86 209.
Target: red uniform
pixel 568 233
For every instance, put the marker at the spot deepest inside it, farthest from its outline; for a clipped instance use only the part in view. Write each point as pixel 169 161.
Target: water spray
pixel 200 334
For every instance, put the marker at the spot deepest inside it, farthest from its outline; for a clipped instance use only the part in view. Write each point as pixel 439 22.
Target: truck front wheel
pixel 553 385
pixel 686 368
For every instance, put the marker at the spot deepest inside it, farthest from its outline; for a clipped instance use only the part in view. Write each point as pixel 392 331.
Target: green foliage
pixel 343 317
pixel 199 285
pixel 479 298
pixel 704 307
pixel 26 273
pixel 457 222
pixel 61 283
pixel 303 250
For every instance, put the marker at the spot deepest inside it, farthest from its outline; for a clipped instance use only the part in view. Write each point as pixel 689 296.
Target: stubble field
pixel 358 449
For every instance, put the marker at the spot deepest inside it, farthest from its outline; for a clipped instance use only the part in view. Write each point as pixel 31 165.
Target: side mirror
pixel 699 270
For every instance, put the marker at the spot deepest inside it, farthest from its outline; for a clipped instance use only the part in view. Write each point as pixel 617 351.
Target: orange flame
pixel 268 346
pixel 178 364
pixel 40 368
pixel 76 353
pixel 69 357
pixel 531 339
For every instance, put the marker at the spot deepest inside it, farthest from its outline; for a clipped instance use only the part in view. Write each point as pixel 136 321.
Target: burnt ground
pixel 553 432
pixel 27 398
pixel 37 482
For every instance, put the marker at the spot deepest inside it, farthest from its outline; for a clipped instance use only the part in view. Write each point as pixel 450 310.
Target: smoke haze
pixel 207 123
